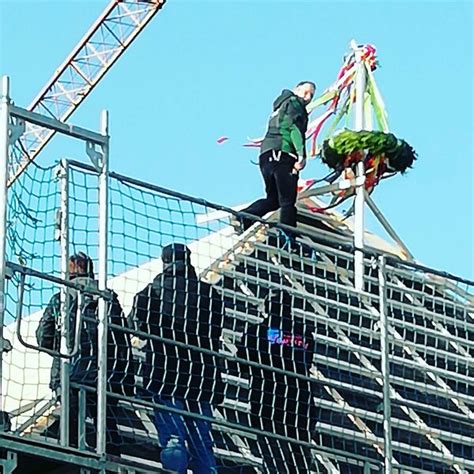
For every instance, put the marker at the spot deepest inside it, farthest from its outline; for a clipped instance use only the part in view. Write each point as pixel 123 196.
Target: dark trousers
pixel 280 186
pixel 283 457
pixel 113 437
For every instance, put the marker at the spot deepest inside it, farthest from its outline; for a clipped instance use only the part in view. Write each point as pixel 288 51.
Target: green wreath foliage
pixel 398 154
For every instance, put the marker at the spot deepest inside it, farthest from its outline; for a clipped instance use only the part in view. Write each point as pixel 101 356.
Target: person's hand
pixel 300 164
pixel 138 343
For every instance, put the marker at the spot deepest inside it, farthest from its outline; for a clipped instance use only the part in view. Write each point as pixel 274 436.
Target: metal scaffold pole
pixel 359 124
pixel 66 343
pixel 385 367
pixel 4 142
pixel 102 320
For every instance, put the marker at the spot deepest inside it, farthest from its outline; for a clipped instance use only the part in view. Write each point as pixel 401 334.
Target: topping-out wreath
pixel 381 153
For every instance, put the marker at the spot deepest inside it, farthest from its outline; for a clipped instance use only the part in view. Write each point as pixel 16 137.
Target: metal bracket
pixel 96 157
pixel 8 273
pixel 360 180
pixel 5 345
pixel 60 173
pixel 57 225
pixel 59 170
pixel 16 130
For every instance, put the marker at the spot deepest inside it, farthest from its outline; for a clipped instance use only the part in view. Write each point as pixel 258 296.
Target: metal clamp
pixel 17 129
pixel 95 156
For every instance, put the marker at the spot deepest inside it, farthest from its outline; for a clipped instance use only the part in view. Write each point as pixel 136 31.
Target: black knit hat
pixel 176 253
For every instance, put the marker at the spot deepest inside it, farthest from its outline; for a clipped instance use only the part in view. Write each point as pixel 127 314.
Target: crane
pixel 107 39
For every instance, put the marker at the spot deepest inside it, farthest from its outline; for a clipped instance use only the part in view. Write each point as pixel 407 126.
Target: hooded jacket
pixel 287 126
pixel 178 307
pixel 83 366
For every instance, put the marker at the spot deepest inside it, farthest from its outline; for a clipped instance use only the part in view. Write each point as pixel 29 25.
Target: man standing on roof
pixel 283 154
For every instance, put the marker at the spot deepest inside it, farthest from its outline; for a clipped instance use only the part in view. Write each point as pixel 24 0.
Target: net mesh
pixel 31 241
pixel 431 366
pixel 241 352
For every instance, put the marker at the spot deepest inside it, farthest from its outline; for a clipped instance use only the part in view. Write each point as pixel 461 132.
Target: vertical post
pixel 4 142
pixel 360 84
pixel 81 422
pixel 385 365
pixel 102 316
pixel 66 340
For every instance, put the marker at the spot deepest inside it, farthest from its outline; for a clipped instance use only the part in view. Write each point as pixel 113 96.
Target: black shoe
pixel 291 245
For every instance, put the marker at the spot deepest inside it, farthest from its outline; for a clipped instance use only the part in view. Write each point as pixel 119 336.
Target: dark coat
pixel 83 366
pixel 178 307
pixel 278 401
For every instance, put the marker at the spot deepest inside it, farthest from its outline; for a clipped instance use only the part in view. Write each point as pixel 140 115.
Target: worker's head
pixel 305 90
pixel 176 260
pixel 175 253
pixel 80 265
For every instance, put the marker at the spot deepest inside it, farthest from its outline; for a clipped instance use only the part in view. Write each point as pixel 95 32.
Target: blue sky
pixel 203 69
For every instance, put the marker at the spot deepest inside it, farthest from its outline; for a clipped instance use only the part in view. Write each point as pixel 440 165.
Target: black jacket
pixel 178 307
pixel 284 342
pixel 287 126
pixel 83 366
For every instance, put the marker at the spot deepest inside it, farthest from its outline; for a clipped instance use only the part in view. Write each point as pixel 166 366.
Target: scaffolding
pixel 389 385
